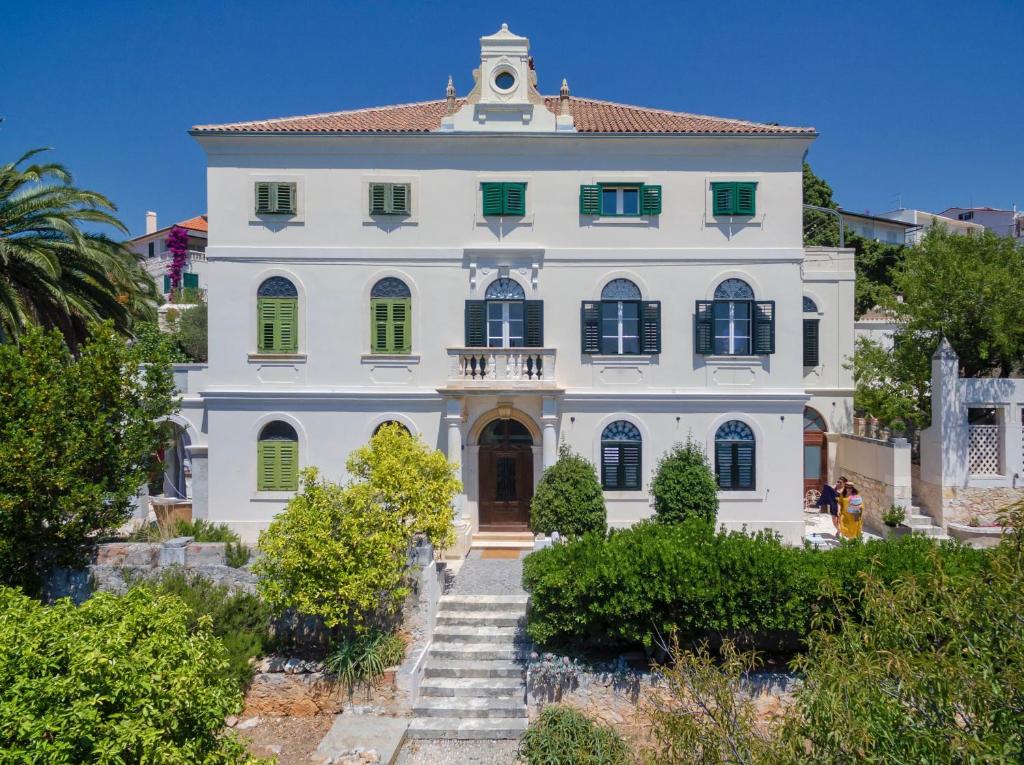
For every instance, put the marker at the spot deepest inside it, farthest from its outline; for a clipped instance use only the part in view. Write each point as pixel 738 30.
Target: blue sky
pixel 915 101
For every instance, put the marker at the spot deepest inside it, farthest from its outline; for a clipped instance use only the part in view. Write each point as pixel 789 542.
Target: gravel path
pixel 451 752
pixel 498 576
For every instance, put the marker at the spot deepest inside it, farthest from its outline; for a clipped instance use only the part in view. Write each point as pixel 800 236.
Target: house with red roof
pixel 152 249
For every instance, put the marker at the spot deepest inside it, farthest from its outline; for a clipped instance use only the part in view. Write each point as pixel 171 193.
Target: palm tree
pixel 53 273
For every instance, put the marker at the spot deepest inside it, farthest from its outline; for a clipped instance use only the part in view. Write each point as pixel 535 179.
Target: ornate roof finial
pixel 563 98
pixel 449 95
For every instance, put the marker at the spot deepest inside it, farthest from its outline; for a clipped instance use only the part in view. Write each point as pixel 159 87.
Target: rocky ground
pixel 292 740
pixel 459 753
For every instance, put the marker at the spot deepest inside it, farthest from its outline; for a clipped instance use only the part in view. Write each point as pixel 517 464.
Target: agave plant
pixel 52 272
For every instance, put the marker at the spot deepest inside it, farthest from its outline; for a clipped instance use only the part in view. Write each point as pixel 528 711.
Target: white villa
pixel 503 271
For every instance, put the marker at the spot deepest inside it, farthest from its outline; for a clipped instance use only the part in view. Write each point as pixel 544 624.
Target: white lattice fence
pixel 983 445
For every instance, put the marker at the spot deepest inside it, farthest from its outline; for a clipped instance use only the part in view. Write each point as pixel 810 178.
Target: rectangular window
pixel 389 198
pixel 620 200
pixel 278 324
pixel 391 330
pixel 152 249
pixel 732 327
pixel 274 198
pixel 811 343
pixel 620 466
pixel 620 327
pixel 734 466
pixel 734 197
pixel 190 281
pixel 505 324
pixel 503 198
pixel 277 467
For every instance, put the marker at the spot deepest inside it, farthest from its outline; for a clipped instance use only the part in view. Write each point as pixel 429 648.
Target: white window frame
pixel 620 335
pixel 620 199
pixel 733 336
pixel 506 334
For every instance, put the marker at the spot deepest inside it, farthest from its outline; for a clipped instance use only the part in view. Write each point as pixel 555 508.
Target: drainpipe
pixel 842 223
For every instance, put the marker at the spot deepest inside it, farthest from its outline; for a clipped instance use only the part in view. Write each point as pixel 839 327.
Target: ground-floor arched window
pixel 734 457
pixel 277 454
pixel 620 456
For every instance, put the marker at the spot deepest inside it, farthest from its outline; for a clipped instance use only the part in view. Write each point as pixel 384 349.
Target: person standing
pixel 829 499
pixel 851 513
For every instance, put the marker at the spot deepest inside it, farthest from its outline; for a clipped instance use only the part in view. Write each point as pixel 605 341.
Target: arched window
pixel 734 457
pixel 811 333
pixel 621 323
pixel 620 457
pixel 505 318
pixel 392 423
pixel 734 324
pixel 505 289
pixel 277 310
pixel 390 316
pixel 277 455
pixel 813 421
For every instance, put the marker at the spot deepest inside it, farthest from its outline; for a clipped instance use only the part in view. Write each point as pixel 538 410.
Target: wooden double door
pixel 506 476
pixel 815 451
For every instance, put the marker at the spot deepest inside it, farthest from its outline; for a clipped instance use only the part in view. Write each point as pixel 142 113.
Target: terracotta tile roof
pixel 198 223
pixel 591 116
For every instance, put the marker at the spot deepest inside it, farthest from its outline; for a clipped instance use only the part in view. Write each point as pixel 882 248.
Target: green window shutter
pixel 266 330
pixel 650 326
pixel 167 283
pixel 704 328
pixel 745 198
pixel 590 327
pixel 266 465
pixel 278 325
pixel 284 198
pixel 288 325
pixel 724 465
pixel 401 326
pixel 514 198
pixel 630 466
pixel 590 200
pixel 476 336
pixel 399 203
pixel 534 332
pixel 724 198
pixel 650 200
pixel 263 198
pixel 378 198
pixel 764 327
pixel 493 196
pixel 287 465
pixel 191 281
pixel 379 321
pixel 811 343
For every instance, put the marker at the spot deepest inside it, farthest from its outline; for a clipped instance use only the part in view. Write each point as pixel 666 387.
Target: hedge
pixel 634 587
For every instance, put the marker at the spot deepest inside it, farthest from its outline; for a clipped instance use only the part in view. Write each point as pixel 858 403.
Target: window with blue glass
pixel 734 324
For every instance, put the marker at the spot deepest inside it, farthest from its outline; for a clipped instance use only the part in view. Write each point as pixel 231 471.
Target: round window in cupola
pixel 504 80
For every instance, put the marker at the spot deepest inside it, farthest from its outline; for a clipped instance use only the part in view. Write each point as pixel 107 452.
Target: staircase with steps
pixel 922 523
pixel 473 683
pixel 514 540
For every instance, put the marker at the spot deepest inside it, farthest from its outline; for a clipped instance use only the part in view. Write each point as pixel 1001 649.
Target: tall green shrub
pixel 684 485
pixel 129 680
pixel 569 498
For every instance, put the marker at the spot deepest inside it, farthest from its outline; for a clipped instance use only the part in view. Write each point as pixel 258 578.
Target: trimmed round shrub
pixel 130 680
pixel 569 498
pixel 684 485
pixel 564 736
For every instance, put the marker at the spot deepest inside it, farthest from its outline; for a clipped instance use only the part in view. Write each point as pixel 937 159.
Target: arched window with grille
pixel 735 466
pixel 277 455
pixel 390 316
pixel 621 465
pixel 734 323
pixel 504 318
pixel 811 333
pixel 621 323
pixel 277 310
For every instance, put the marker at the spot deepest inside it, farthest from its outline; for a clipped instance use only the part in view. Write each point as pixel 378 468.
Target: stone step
pixel 928 531
pixel 480 669
pixel 469 707
pixel 917 518
pixel 472 728
pixel 504 603
pixel 451 616
pixel 475 687
pixel 476 651
pixel 445 633
pixel 519 540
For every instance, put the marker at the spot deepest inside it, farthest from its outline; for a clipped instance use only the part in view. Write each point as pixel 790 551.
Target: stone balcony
pixel 501 368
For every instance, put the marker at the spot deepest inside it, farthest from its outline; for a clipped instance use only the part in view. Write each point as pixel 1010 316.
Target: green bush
pixel 636 586
pixel 201 530
pixel 239 619
pixel 569 498
pixel 564 736
pixel 130 680
pixel 237 554
pixel 684 485
pixel 362 659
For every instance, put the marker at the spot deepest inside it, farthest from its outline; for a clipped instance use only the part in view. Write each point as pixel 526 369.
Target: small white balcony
pixel 501 368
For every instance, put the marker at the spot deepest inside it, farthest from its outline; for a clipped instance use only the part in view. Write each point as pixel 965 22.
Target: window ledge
pixel 622 358
pixel 283 358
pixel 271 496
pixel 737 359
pixel 640 221
pixel 735 220
pixel 393 359
pixel 515 220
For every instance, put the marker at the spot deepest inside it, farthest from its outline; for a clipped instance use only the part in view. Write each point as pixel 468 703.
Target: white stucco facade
pixel 333 390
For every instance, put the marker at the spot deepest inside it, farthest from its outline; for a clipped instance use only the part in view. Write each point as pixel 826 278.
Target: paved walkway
pixel 491 576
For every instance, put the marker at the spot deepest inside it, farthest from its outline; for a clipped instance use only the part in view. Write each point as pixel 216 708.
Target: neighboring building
pixel 506 271
pixel 877 324
pixel 152 246
pixel 874 227
pixel 1000 222
pixel 922 221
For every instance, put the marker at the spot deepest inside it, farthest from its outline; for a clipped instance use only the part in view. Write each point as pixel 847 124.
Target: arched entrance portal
pixel 815 451
pixel 506 476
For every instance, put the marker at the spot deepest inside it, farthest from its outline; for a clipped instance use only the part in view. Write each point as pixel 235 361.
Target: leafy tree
pixel 569 498
pixel 189 332
pixel 891 384
pixel 52 272
pixel 684 485
pixel 340 552
pixel 153 343
pixel 77 439
pixel 129 680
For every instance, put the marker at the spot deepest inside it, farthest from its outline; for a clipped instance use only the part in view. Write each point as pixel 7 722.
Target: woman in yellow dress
pixel 851 512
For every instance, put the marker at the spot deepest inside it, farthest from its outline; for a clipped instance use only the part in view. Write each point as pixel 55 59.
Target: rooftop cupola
pixel 504 96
